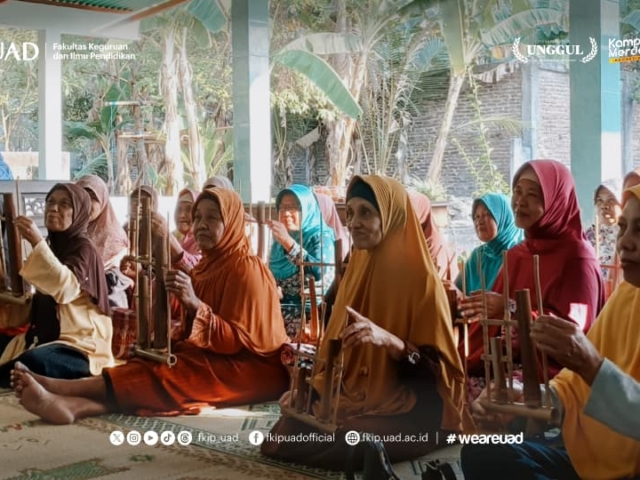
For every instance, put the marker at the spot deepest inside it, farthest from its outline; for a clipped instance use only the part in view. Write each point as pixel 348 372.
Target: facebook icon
pixel 256 437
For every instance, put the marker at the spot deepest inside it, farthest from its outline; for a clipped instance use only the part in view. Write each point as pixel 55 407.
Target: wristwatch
pixel 411 353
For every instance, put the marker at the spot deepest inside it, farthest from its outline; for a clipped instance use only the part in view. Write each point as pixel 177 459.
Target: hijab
pixel 596 451
pixel 236 285
pixel 188 241
pixel 73 248
pixel 105 231
pixel 508 236
pixel 312 227
pixel 445 261
pixel 631 179
pixel 396 286
pixel 332 218
pixel 614 186
pixel 219 181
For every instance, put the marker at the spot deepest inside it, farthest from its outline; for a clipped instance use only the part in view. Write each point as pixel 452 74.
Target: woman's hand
pixel 281 234
pixel 451 285
pixel 472 306
pixel 159 225
pixel 568 345
pixel 360 331
pixel 285 399
pixel 129 267
pixel 493 421
pixel 179 283
pixel 28 229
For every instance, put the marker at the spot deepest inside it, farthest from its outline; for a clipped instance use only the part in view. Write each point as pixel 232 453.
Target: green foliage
pixel 436 192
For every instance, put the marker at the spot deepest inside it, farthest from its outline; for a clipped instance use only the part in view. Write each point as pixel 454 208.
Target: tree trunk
pixel 198 169
pixel 169 86
pixel 455 86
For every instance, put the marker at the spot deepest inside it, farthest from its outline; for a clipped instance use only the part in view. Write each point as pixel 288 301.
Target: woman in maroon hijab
pixel 546 207
pixel 442 256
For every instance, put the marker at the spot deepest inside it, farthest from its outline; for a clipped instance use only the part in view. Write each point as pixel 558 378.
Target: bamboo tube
pixel 498 370
pixel 170 360
pixel 485 330
pixel 262 234
pixel 314 327
pixel 334 348
pixel 597 233
pixel 545 414
pixel 144 280
pixel 532 394
pixel 302 390
pixel 465 326
pixel 507 320
pixel 545 369
pixel 161 318
pixel 14 244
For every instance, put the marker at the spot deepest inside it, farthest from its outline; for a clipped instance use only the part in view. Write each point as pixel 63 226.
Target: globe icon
pixel 352 437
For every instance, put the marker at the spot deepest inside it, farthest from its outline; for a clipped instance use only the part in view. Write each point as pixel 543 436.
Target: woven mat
pixel 30 449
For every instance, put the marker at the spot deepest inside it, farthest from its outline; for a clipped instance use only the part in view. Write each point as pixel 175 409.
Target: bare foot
pixel 48 406
pixel 52 385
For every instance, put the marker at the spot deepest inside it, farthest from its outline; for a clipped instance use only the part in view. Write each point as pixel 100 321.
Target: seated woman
pixel 104 230
pixel 546 208
pixel 590 449
pixel 496 229
pixel 300 222
pixel 443 257
pixel 70 333
pixel 231 356
pixel 332 218
pixel 185 253
pixel 402 374
pixel 109 238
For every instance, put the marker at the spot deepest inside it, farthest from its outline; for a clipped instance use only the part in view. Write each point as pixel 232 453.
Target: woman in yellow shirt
pixel 69 334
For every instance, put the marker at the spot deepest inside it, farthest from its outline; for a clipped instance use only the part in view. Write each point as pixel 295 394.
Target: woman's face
pixel 182 214
pixel 58 211
pixel 628 243
pixel 364 223
pixel 607 207
pixel 95 205
pixel 208 226
pixel 485 225
pixel 527 201
pixel 289 212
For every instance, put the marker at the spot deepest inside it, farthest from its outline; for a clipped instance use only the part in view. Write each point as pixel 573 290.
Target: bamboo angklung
pixel 485 326
pixel 507 321
pixel 498 370
pixel 531 382
pixel 151 255
pixel 16 291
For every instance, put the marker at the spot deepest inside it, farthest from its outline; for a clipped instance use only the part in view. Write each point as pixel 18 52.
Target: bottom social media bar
pixel 151 438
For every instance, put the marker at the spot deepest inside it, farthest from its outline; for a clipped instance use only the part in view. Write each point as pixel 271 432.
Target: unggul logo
pixel 26 51
pixel 554 51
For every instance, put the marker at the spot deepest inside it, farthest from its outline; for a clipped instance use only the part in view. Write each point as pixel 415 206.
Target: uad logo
pixel 21 52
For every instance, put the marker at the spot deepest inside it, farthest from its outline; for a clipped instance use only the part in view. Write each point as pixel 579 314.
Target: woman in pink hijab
pixel 331 218
pixel 442 256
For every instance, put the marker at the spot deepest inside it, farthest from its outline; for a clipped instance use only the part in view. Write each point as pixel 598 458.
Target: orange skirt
pixel 201 378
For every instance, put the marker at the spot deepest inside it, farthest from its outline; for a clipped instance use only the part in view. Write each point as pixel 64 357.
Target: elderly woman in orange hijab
pixel 402 374
pixel 231 355
pixel 597 393
pixel 444 259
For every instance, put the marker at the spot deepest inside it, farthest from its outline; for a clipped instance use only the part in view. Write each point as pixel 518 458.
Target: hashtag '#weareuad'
pixel 451 438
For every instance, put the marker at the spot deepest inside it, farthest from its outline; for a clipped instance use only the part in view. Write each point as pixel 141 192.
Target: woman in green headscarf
pixel 300 232
pixel 495 227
